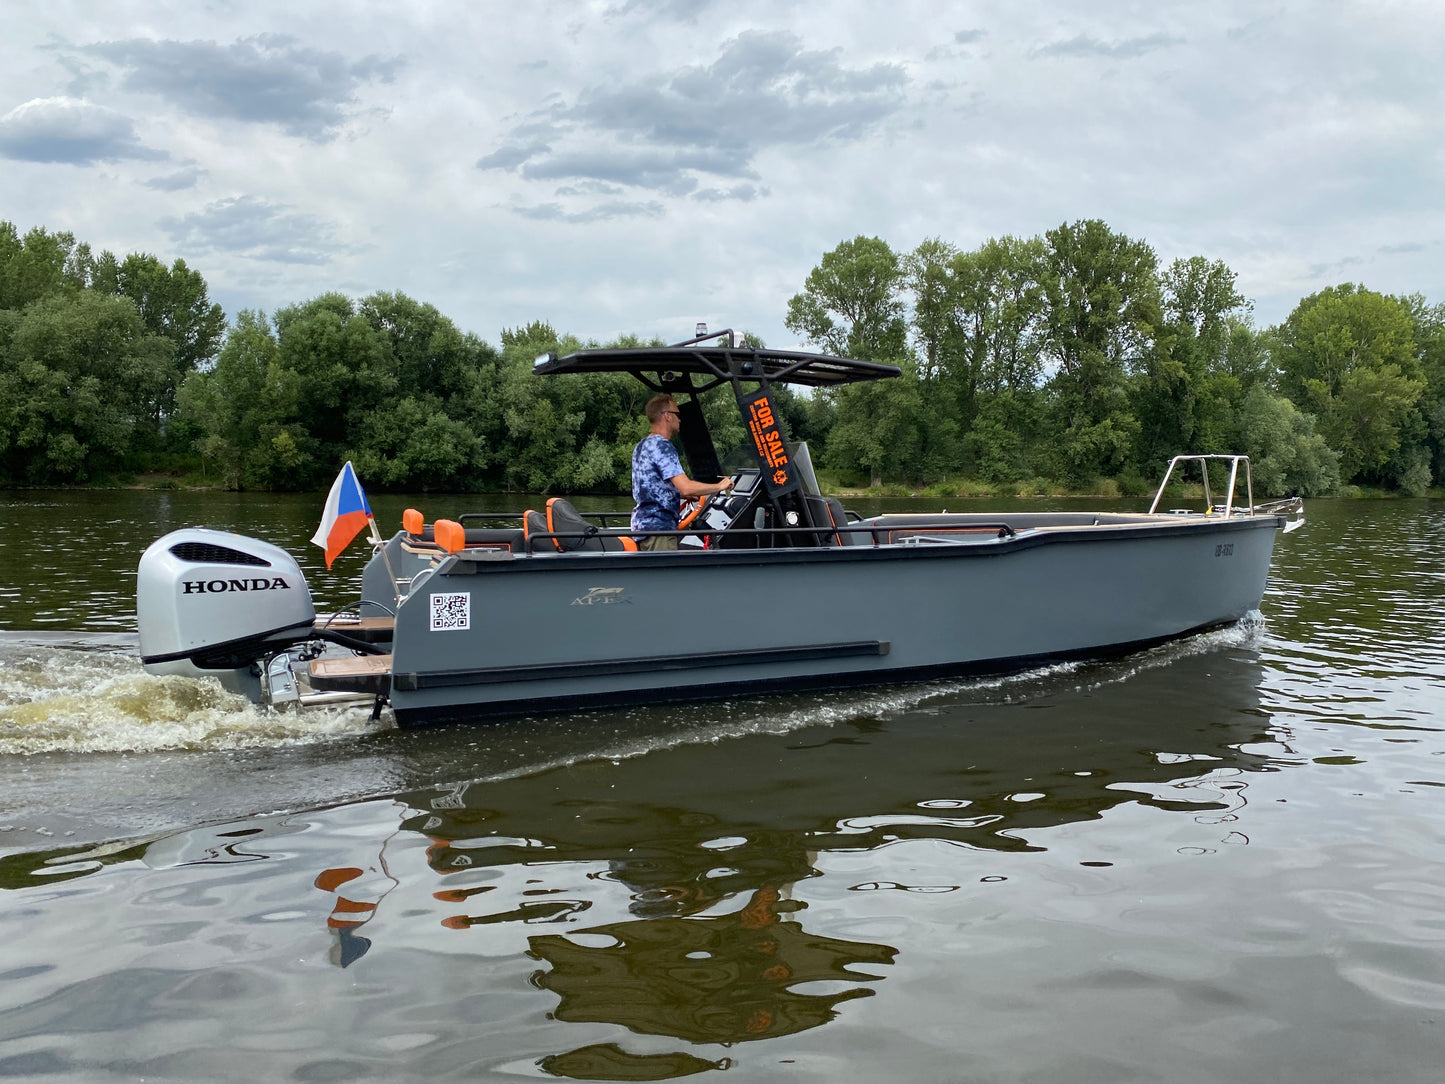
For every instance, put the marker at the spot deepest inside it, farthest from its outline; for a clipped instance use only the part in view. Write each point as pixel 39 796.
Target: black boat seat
pixel 578 534
pixel 828 512
pixel 563 519
pixel 840 519
pixel 533 525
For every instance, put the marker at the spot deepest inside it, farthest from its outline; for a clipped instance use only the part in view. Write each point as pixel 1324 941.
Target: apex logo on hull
pixel 602 596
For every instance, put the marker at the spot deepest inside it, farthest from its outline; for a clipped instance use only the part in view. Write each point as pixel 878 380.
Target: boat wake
pixel 78 694
pixel 90 695
pixel 522 747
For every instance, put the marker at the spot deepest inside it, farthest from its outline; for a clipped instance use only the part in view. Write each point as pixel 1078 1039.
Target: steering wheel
pixel 689 510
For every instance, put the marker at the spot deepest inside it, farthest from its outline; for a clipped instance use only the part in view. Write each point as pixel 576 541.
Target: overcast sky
pixel 640 165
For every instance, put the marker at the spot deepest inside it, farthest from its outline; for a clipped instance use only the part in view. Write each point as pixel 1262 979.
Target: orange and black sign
pixel 761 415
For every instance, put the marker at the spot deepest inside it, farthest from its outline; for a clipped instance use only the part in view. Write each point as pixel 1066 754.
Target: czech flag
pixel 346 515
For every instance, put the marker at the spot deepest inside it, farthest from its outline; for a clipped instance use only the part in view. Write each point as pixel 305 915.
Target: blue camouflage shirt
pixel 654 463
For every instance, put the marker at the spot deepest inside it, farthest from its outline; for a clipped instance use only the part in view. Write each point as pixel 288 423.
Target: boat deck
pixel 361 674
pixel 370 629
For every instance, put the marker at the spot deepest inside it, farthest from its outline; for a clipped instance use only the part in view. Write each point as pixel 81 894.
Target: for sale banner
pixel 761 416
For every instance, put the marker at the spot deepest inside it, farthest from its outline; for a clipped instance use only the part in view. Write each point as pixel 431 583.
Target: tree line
pixel 1071 358
pixel 1075 356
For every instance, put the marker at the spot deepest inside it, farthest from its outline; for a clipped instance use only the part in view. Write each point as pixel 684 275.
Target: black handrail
pixel 462 519
pixel 1003 530
pixel 602 516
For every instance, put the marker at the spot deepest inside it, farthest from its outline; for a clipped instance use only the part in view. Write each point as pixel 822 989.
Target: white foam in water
pixel 719 721
pixel 1248 630
pixel 899 699
pixel 59 700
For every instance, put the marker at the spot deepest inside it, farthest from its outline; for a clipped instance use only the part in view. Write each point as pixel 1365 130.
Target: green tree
pixel 931 273
pixel 1348 355
pixel 173 304
pixel 977 319
pixel 1013 326
pixel 77 372
pixel 388 382
pixel 429 355
pixel 1430 338
pixel 246 410
pixel 546 420
pixel 851 303
pixel 414 445
pixel 1103 307
pixel 40 265
pixel 345 372
pixel 879 431
pixel 1002 444
pixel 1180 393
pixel 1287 457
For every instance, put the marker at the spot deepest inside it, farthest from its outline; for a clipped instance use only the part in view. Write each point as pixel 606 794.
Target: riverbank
pixel 951 488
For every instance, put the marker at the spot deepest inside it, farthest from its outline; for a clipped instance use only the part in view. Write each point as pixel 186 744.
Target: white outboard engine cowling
pixel 213 603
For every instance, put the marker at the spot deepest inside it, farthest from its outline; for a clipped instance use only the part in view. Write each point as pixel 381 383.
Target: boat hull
pixel 576 630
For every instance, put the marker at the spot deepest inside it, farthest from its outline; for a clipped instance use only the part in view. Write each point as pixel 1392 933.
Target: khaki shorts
pixel 658 542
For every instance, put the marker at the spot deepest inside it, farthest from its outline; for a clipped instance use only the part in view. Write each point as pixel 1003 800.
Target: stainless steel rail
pixel 1203 461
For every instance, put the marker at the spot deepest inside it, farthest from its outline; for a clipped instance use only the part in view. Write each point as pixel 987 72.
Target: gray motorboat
pixel 773 586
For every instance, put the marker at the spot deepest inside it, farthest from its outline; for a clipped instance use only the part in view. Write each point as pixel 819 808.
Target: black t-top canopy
pixel 720 363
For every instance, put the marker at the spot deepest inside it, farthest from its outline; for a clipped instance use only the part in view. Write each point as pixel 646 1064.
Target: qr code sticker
pixel 449 612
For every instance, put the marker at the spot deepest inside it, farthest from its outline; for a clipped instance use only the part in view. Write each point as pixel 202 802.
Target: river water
pixel 1219 860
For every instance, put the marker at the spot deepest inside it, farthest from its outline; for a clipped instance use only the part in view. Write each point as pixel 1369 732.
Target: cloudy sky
pixel 639 165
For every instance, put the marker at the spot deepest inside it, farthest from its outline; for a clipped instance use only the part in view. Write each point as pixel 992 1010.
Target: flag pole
pixel 379 543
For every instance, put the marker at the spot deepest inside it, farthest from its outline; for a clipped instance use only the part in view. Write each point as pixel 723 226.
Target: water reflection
pixel 986 766
pixel 608 1061
pixel 725 979
pixel 670 893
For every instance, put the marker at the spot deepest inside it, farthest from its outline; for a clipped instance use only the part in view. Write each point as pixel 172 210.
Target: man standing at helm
pixel 659 484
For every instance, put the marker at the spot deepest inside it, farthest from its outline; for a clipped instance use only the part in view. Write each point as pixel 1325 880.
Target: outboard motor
pixel 212 604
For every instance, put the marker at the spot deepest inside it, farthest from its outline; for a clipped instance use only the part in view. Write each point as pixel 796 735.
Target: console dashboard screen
pixel 746 482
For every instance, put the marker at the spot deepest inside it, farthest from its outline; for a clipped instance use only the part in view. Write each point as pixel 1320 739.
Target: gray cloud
pixel 1126 49
pixel 744 193
pixel 175 182
pixel 968 37
pixel 686 12
pixel 270 79
pixel 86 80
pixel 512 155
pixel 1333 268
pixel 1407 246
pixel 664 170
pixel 555 212
pixel 664 131
pixel 70 130
pixel 589 188
pixel 248 226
